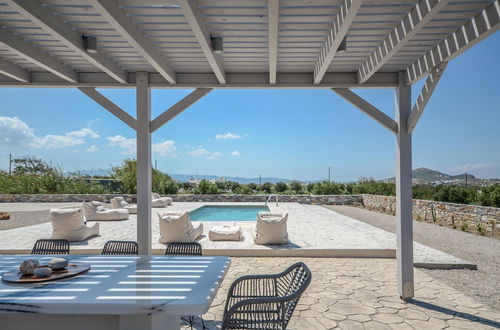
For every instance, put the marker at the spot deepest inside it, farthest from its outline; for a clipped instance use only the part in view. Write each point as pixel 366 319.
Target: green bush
pixel 280 187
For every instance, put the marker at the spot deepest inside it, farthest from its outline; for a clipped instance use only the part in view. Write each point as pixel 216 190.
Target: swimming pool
pixel 227 212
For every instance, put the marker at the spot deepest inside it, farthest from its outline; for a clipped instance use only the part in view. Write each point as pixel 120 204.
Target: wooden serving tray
pixel 72 269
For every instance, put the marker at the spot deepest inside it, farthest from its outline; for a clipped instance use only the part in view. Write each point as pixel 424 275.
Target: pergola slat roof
pixel 266 42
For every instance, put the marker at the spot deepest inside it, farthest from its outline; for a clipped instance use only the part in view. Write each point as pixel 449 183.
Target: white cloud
pixel 83 133
pixel 199 152
pixel 16 133
pixel 475 166
pixel 128 146
pixel 165 148
pixel 92 148
pixel 214 155
pixel 235 153
pixel 228 136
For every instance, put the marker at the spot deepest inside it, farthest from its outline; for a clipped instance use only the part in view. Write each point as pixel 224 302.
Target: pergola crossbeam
pixel 24 49
pixel 110 106
pixel 177 108
pixel 50 23
pixel 13 71
pixel 479 27
pixel 425 95
pixel 367 108
pixel 272 25
pixel 417 18
pixel 122 23
pixel 341 24
pixel 195 21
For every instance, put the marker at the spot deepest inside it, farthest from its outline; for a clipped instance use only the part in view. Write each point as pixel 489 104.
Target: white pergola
pixel 300 44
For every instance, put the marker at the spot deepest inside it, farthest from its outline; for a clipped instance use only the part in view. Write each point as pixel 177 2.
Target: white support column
pixel 404 221
pixel 144 179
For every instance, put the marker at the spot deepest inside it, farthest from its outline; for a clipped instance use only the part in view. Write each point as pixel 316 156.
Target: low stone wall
pixel 455 215
pixel 304 199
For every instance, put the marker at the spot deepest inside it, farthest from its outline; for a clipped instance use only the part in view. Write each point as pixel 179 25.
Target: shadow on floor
pixel 444 310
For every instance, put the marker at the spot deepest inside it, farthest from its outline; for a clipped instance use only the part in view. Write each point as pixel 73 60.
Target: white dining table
pixel 118 292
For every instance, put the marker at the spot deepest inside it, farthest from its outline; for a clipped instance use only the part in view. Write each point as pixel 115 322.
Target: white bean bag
pixel 176 227
pixel 69 224
pixel 158 201
pixel 225 233
pixel 271 228
pixel 120 203
pixel 95 212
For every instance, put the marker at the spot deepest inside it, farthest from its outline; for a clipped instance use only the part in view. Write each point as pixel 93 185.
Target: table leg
pixel 150 322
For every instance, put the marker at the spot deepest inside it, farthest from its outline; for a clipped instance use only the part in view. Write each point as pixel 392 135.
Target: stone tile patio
pixel 348 293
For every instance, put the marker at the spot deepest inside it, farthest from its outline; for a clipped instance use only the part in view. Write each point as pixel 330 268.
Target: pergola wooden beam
pixel 24 49
pixel 367 108
pixel 417 18
pixel 341 24
pixel 272 26
pixel 110 106
pixel 110 10
pixel 50 23
pixel 425 95
pixel 479 27
pixel 195 21
pixel 13 71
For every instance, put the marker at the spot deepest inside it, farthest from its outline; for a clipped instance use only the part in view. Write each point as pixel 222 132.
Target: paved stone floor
pixel 348 293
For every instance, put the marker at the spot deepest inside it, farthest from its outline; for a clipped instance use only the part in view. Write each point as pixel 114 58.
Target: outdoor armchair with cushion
pixel 96 212
pixel 271 228
pixel 68 224
pixel 177 227
pixel 120 203
pixel 158 201
pixel 265 301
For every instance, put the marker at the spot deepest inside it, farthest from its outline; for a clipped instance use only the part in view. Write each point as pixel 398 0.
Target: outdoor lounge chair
pixel 265 301
pixel 96 212
pixel 120 248
pixel 177 227
pixel 120 203
pixel 158 201
pixel 68 224
pixel 51 246
pixel 271 228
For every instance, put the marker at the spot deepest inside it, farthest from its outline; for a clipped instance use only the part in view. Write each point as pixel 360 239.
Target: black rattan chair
pixel 265 301
pixel 184 249
pixel 51 246
pixel 120 248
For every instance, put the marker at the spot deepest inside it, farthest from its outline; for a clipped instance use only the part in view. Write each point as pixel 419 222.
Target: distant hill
pixel 424 175
pixel 242 180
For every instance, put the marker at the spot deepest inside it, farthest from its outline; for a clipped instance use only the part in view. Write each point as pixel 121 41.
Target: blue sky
pixel 293 134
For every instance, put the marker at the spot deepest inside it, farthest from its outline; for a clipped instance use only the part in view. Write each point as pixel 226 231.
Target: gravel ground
pixel 482 284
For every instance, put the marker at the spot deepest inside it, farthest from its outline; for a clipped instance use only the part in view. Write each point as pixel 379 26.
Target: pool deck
pixel 314 231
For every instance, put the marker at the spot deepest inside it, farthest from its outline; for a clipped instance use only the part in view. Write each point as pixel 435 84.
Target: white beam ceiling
pixel 193 16
pixel 417 18
pixel 20 47
pixel 272 26
pixel 110 10
pixel 41 16
pixel 13 71
pixel 341 24
pixel 479 27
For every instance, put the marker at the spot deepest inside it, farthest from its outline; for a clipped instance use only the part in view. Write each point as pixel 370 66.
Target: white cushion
pixel 271 228
pixel 69 224
pixel 97 213
pixel 176 227
pixel 225 233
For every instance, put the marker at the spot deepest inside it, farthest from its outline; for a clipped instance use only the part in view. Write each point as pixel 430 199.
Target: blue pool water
pixel 227 213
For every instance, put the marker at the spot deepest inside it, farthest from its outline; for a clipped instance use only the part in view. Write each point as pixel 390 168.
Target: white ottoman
pixel 225 233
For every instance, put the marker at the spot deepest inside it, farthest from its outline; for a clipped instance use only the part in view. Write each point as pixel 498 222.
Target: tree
pixel 203 187
pixel 267 187
pixel 280 187
pixel 296 187
pixel 235 186
pixel 252 186
pixel 32 166
pixel 213 189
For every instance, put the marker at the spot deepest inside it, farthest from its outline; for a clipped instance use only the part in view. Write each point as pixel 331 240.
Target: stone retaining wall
pixel 304 199
pixel 455 215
